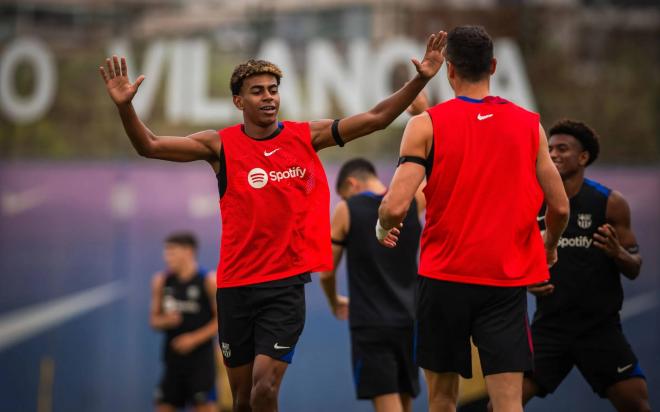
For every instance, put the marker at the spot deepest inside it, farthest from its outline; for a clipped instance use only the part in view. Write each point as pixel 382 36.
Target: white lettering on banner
pixel 23 109
pixel 277 50
pixel 152 67
pixel 326 75
pixel 203 109
pixel 355 81
pixel 510 80
pixel 392 53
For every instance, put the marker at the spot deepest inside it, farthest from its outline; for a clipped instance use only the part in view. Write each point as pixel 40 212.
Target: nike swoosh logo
pixel 276 346
pixel 624 368
pixel 540 218
pixel 270 153
pixel 27 322
pixel 484 117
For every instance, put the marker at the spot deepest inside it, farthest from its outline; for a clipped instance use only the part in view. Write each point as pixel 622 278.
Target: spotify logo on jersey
pixel 257 178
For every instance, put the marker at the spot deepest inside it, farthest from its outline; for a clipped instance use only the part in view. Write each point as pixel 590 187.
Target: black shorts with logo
pixel 384 361
pixel 449 313
pixel 188 380
pixel 598 349
pixel 265 319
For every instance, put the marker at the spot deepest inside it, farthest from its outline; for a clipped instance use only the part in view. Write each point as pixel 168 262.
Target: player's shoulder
pixel 295 125
pixel 363 198
pixel 422 122
pixel 600 189
pixel 523 111
pixel 229 131
pixel 447 104
pixel 617 204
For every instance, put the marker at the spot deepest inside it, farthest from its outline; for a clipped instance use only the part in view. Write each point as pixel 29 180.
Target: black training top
pixel 381 281
pixel 587 281
pixel 191 300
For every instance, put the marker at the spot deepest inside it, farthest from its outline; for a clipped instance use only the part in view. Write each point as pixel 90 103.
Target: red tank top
pixel 275 210
pixel 483 195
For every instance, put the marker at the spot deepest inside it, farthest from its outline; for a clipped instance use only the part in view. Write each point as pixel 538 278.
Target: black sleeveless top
pixel 191 300
pixel 381 281
pixel 587 281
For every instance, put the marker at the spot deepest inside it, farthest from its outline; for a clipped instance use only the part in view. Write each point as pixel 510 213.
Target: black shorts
pixel 384 361
pixel 260 321
pixel 449 313
pixel 600 351
pixel 190 381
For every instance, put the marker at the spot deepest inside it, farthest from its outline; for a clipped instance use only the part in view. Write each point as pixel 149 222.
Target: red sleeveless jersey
pixel 275 210
pixel 483 195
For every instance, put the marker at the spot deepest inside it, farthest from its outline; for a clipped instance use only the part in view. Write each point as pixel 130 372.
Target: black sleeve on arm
pixel 338 242
pixel 412 159
pixel 427 163
pixel 335 133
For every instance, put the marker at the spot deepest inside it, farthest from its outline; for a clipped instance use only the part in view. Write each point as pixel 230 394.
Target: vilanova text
pixel 356 80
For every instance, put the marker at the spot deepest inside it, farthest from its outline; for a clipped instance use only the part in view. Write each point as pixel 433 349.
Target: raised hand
pixel 120 89
pixel 433 58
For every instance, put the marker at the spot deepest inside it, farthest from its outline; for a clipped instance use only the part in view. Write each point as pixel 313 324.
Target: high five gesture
pixel 120 89
pixel 434 56
pixel 198 146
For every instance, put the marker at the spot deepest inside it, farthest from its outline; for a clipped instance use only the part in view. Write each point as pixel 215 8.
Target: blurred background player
pixel 267 252
pixel 577 321
pixel 183 307
pixel 487 168
pixel 381 284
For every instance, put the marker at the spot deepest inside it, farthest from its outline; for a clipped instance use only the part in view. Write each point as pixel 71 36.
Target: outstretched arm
pixel 417 140
pixel 617 239
pixel 338 231
pixel 199 146
pixel 384 113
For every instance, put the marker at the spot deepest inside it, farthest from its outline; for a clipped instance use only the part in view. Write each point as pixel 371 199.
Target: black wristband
pixel 335 133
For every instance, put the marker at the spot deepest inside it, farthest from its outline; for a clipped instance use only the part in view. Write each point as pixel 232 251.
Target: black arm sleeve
pixel 338 242
pixel 412 159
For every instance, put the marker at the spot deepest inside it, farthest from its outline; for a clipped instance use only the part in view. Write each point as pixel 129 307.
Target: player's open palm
pixel 433 58
pixel 120 89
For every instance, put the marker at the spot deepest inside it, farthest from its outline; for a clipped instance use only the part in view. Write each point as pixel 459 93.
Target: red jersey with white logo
pixel 483 195
pixel 275 210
